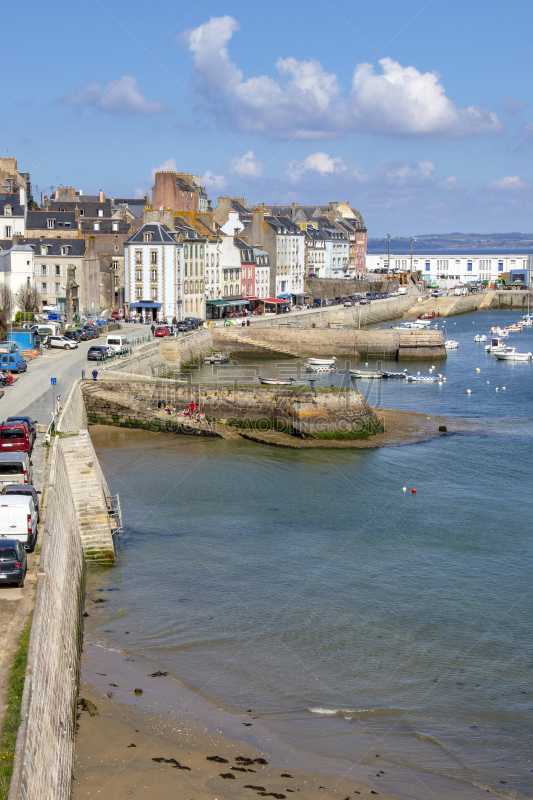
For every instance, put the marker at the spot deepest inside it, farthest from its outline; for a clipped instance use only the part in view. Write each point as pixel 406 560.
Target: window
pixel 96 226
pixel 154 293
pixel 147 237
pixel 185 270
pixel 225 290
pixel 196 251
pixel 115 264
pixel 186 251
pixel 44 269
pixel 44 287
pixel 58 288
pixel 51 223
pixel 57 269
pixel 230 275
pixel 186 287
pixel 469 266
pixel 201 251
pixel 153 275
pixel 7 232
pixel 139 275
pixel 114 226
pixel 153 256
pixel 500 266
pixel 100 212
pixel 231 289
pixel 196 287
pixel 115 280
pixel 138 292
pixel 8 211
pixel 138 257
pixel 82 212
pixel 65 250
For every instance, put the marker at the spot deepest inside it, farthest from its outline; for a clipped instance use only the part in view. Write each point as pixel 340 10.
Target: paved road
pixel 33 394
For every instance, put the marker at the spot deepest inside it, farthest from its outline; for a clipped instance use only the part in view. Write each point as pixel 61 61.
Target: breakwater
pixel 130 402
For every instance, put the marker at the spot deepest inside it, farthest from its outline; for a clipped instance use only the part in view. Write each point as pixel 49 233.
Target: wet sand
pixel 159 744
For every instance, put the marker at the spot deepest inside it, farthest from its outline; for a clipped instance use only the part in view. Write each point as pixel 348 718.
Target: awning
pixel 284 296
pixel 238 303
pixel 217 302
pixel 275 300
pixel 300 294
pixel 145 304
pixel 252 298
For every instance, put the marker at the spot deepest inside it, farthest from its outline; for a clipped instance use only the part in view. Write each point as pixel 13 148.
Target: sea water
pixel 350 615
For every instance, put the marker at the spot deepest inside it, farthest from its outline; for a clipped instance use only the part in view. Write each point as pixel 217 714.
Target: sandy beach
pixel 170 742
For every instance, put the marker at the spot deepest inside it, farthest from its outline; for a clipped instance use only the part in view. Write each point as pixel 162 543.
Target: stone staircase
pixel 259 344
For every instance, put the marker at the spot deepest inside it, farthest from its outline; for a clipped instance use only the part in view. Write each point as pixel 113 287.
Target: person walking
pixel 152 328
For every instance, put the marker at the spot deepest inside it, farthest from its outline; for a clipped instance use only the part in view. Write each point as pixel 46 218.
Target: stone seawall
pixel 168 353
pixel 389 344
pixel 73 416
pixel 303 410
pixel 45 743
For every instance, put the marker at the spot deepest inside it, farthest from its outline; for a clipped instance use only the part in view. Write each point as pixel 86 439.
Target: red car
pixel 116 314
pixel 161 330
pixel 14 438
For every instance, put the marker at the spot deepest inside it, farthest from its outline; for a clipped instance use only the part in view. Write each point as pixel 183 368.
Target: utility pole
pixel 411 255
pixel 388 257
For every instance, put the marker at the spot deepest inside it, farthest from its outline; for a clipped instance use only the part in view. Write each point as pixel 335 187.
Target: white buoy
pixel 478 369
pixel 366 363
pixel 469 391
pixel 404 489
pixel 503 387
pixel 418 373
pixel 497 389
pixel 444 379
pixel 440 383
pixel 488 381
pixel 433 367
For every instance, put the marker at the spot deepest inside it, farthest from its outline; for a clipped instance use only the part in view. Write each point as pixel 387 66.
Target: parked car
pixel 74 336
pixel 18 519
pixel 97 351
pixel 161 330
pixel 363 301
pixel 20 490
pixel 12 362
pixel 183 326
pixel 92 331
pixel 13 562
pixel 15 468
pixel 62 341
pixel 193 322
pixel 14 438
pixel 436 293
pixel 30 424
pixel 348 304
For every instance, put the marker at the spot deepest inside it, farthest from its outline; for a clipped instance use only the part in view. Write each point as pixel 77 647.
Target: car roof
pixel 5 543
pixel 19 488
pixel 16 500
pixel 14 457
pixel 19 416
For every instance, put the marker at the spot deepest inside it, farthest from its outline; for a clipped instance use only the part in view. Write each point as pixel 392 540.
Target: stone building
pixel 154 272
pixel 179 191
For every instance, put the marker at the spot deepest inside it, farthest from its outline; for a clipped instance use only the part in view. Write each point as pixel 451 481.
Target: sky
pixel 418 113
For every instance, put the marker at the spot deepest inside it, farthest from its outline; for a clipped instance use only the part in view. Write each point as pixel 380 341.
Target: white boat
pixel 320 368
pixel 526 322
pixel 513 328
pixel 423 378
pixel 496 343
pixel 276 381
pixel 499 331
pixel 366 373
pixel 480 338
pixel 217 358
pixel 510 354
pixel 321 362
pixel 419 324
pixel 451 344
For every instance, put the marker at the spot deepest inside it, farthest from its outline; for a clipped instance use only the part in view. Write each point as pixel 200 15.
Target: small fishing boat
pixel 423 378
pixel 480 338
pixel 418 324
pixel 319 368
pixel 496 343
pixel 393 374
pixel 451 344
pixel 322 362
pixel 510 354
pixel 513 328
pixel 526 322
pixel 276 381
pixel 499 331
pixel 217 358
pixel 366 373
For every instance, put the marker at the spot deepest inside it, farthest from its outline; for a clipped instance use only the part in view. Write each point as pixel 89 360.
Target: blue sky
pixel 418 113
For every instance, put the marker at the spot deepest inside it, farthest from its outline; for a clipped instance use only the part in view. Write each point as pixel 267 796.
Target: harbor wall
pixel 44 754
pixel 73 416
pixel 304 410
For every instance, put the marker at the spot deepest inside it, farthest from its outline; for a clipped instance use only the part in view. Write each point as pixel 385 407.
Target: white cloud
pixel 246 166
pixel 400 174
pixel 167 166
pixel 322 163
pixel 305 102
pixel 449 184
pixel 511 183
pixel 117 97
pixel 212 181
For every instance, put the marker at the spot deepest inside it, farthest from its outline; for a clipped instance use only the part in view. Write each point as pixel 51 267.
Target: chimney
pixel 236 232
pixel 293 213
pixel 101 197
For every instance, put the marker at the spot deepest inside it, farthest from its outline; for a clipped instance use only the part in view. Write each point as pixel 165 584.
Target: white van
pixel 18 520
pixel 117 342
pixel 49 328
pixel 402 290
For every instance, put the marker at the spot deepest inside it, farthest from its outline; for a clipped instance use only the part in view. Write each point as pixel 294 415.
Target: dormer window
pixel 147 237
pixel 65 250
pixel 82 212
pixel 8 211
pixel 115 226
pixel 96 226
pixel 51 223
pixel 100 212
pixel 61 209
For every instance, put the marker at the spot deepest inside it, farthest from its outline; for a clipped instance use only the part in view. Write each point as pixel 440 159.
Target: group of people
pixel 190 412
pixel 6 378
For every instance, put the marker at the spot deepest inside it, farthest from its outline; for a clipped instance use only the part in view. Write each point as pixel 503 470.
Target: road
pixel 33 393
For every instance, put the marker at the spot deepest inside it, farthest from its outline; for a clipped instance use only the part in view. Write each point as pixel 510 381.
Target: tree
pixel 28 298
pixel 6 297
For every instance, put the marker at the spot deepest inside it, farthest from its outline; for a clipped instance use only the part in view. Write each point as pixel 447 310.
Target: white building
pixel 17 270
pixel 262 273
pixel 447 270
pixel 154 277
pixel 13 214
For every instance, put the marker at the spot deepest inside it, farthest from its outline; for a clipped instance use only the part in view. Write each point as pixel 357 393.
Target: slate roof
pixel 38 219
pixel 160 234
pixel 106 225
pixel 246 249
pixel 86 209
pixel 281 223
pixel 188 232
pixel 77 246
pixel 13 200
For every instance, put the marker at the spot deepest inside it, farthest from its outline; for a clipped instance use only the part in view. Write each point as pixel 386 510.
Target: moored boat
pixel 496 343
pixel 276 381
pixel 322 362
pixel 366 373
pixel 386 374
pixel 480 338
pixel 320 368
pixel 217 358
pixel 513 328
pixel 451 344
pixel 423 378
pixel 510 354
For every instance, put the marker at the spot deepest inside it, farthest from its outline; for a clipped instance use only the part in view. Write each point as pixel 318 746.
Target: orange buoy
pixel 413 491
